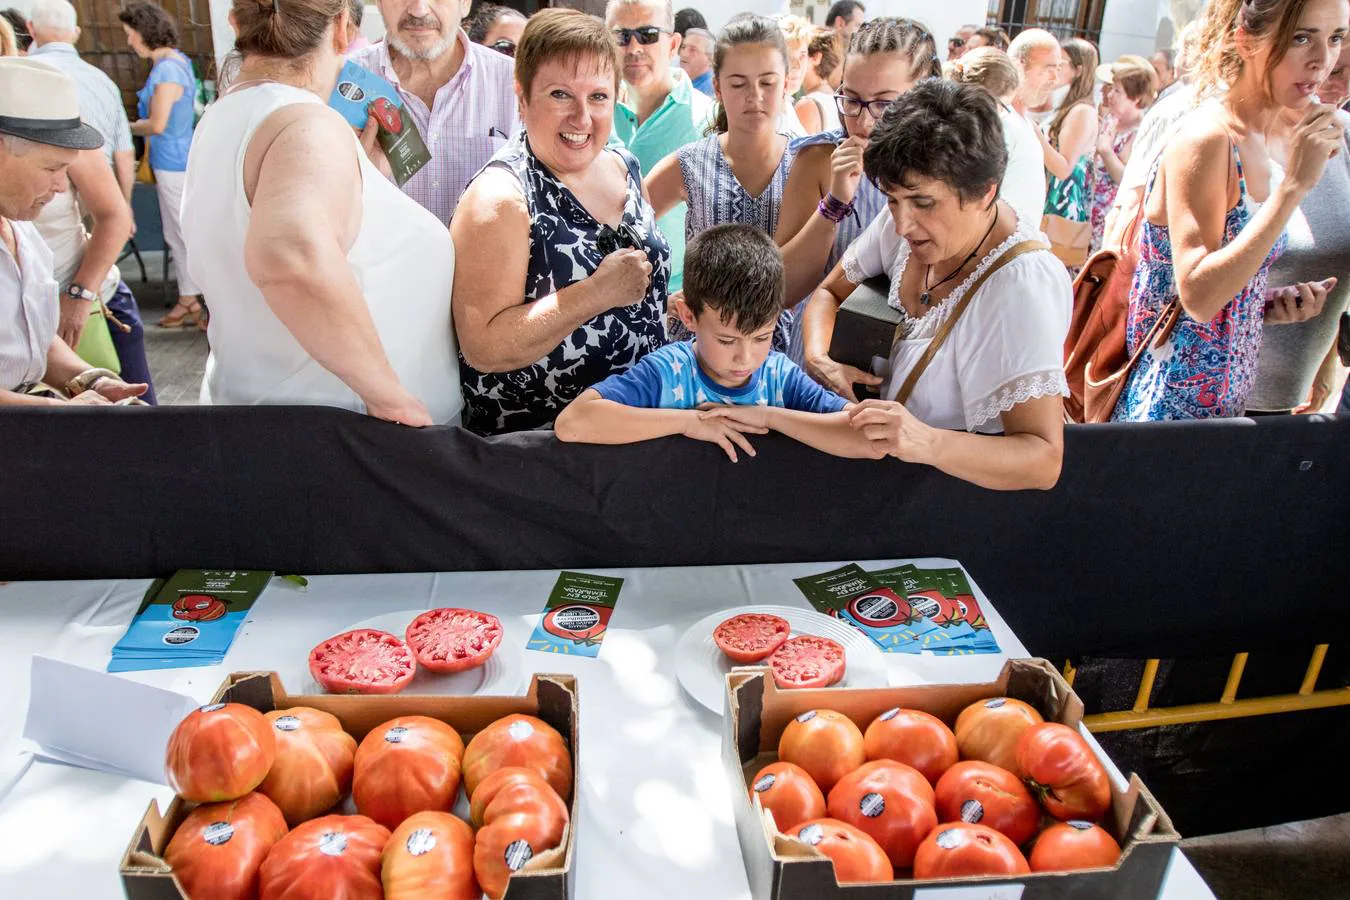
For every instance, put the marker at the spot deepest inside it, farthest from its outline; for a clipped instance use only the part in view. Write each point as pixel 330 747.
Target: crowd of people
pixel 632 227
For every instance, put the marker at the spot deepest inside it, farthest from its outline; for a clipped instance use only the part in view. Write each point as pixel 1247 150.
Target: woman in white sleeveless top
pixel 328 285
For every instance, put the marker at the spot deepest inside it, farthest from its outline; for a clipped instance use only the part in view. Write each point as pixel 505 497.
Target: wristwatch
pixel 80 292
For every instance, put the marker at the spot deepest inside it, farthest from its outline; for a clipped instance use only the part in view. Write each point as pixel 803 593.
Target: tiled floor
pixel 177 356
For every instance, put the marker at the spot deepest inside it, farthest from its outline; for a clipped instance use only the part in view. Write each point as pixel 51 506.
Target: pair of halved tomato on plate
pixel 805 661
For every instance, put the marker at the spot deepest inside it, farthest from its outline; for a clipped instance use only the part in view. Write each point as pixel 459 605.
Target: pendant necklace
pixel 926 298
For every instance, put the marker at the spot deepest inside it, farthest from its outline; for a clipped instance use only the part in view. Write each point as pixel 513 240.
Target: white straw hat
pixel 38 103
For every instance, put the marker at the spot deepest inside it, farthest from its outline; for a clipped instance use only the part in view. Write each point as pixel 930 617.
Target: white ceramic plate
pixel 500 675
pixel 702 668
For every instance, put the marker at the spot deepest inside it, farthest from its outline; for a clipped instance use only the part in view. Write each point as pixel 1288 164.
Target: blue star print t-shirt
pixel 670 378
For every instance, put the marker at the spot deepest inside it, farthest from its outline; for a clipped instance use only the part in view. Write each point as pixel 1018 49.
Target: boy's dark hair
pixel 689 18
pixel 842 9
pixel 738 271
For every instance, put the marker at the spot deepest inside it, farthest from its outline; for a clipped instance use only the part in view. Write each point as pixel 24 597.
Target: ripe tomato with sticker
pixel 453 640
pixel 751 637
pixel 199 608
pixel 579 623
pixel 983 794
pixel 988 730
pixel 890 801
pixel 1062 770
pixel 313 767
pixel 857 858
pixel 914 738
pixel 326 858
pixel 217 851
pixel 407 765
pixel 430 855
pixel 962 850
pixel 219 752
pixel 1066 846
pixel 789 793
pixel 825 743
pixel 523 819
pixel 807 661
pixel 363 661
pixel 519 740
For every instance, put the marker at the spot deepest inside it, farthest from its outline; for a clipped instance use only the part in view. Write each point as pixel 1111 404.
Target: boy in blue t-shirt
pixel 728 381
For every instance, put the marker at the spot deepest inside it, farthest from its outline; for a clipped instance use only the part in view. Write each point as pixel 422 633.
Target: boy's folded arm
pixel 826 432
pixel 591 419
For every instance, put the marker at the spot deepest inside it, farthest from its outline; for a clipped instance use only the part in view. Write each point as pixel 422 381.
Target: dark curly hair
pixel 940 130
pixel 738 271
pixel 484 16
pixel 153 24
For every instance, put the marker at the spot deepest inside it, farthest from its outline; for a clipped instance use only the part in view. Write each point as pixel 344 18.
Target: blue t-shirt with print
pixel 169 150
pixel 671 378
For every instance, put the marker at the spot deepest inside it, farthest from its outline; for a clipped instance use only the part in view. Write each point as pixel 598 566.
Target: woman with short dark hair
pixel 975 376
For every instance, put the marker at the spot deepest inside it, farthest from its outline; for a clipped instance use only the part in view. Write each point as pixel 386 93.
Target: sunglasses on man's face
pixel 503 45
pixel 611 240
pixel 646 35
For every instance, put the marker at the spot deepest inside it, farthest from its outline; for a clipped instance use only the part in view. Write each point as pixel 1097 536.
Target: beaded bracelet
pixel 833 209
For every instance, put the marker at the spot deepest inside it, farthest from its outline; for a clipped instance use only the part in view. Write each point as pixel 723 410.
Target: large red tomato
pixel 960 850
pixel 364 661
pixel 489 787
pixel 857 858
pixel 751 637
pixel 1066 846
pixel 823 742
pixel 1064 772
pixel 430 855
pixel 332 858
pixel 890 801
pixel 405 766
pixel 522 820
pixel 216 852
pixel 983 794
pixel 453 640
pixel 219 752
pixel 519 740
pixel 789 793
pixel 988 730
pixel 807 661
pixel 313 768
pixel 914 738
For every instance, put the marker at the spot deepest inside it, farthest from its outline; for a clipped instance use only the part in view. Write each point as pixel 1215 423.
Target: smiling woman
pixel 562 274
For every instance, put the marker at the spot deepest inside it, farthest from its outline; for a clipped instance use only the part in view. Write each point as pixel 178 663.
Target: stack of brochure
pixel 189 620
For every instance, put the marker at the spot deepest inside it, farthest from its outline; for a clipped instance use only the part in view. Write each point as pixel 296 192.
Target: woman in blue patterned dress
pixel 561 271
pixel 1208 242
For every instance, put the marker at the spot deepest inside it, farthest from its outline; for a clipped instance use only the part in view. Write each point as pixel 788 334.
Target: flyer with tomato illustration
pixel 361 94
pixel 190 619
pixel 852 595
pixel 576 617
pixel 940 624
pixel 958 587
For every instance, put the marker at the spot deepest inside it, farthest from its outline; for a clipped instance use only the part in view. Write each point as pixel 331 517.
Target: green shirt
pixel 681 119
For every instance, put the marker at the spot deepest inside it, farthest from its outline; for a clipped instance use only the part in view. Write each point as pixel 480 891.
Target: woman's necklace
pixel 926 298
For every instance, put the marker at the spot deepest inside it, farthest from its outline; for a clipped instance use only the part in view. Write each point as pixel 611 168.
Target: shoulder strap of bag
pixel 946 328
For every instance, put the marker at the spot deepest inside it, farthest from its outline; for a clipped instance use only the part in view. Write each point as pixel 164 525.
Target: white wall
pixel 1131 26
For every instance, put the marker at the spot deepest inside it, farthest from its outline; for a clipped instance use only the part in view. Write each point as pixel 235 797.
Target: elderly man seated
pixel 40 136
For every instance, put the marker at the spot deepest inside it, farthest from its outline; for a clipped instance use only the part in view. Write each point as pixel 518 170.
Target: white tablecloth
pixel 655 814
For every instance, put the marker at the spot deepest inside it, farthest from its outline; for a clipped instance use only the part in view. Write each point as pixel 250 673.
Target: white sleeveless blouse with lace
pixel 1006 349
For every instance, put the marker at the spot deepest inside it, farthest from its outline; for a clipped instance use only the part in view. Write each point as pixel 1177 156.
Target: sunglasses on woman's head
pixel 646 35
pixel 504 46
pixel 611 240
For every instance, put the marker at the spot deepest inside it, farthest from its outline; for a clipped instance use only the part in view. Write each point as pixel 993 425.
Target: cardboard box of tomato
pixel 552 698
pixel 786 868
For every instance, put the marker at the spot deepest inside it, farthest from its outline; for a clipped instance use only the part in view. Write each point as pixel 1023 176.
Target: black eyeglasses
pixel 611 240
pixel 852 107
pixel 503 45
pixel 646 35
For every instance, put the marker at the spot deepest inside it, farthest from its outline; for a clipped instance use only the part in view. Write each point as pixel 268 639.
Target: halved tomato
pixel 430 855
pixel 522 820
pixel 313 768
pixel 407 765
pixel 914 738
pixel 988 730
pixel 453 640
pixel 823 742
pixel 789 793
pixel 1062 770
pixel 890 801
pixel 219 752
pixel 1066 846
pixel 857 858
pixel 364 661
pixel 959 849
pixel 519 740
pixel 217 850
pixel 807 661
pixel 750 637
pixel 326 858
pixel 983 794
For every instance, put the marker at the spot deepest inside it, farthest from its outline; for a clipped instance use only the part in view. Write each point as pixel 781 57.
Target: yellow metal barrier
pixel 1227 706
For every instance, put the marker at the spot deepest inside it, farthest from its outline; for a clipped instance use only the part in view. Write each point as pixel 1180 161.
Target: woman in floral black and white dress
pixel 561 271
